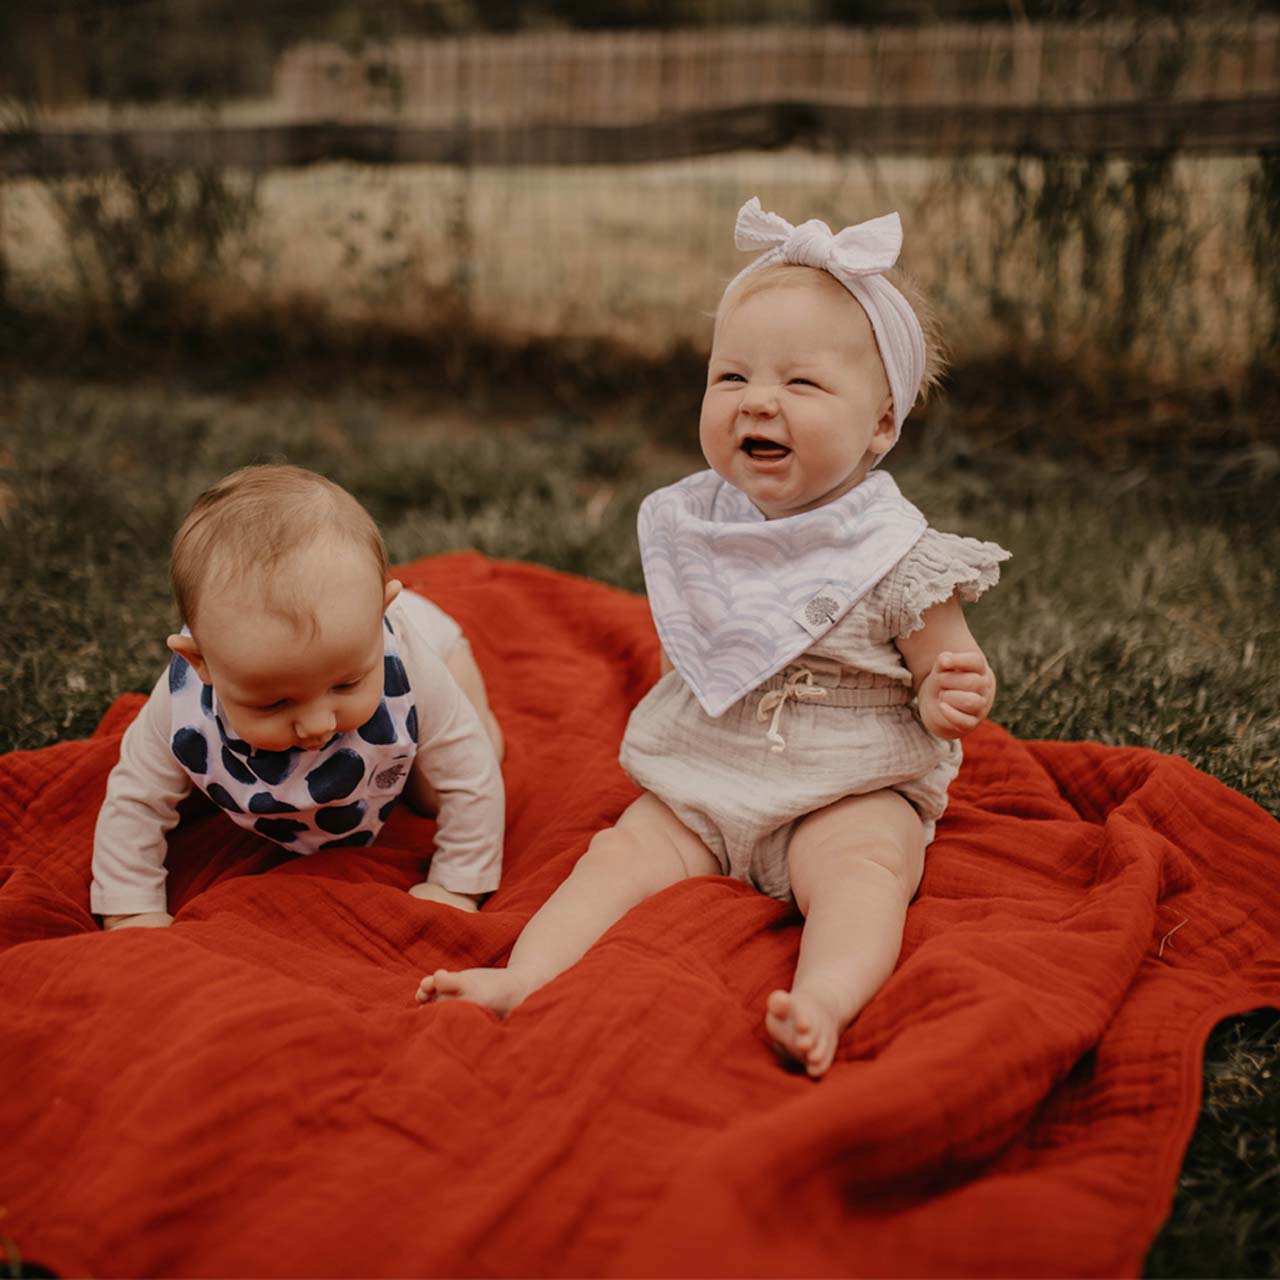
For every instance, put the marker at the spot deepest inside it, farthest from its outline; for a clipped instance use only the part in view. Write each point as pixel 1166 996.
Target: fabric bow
pixel 866 249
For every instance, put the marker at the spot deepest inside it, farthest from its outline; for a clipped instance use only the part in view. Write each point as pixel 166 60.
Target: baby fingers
pixel 965 660
pixel 966 681
pixel 960 721
pixel 971 702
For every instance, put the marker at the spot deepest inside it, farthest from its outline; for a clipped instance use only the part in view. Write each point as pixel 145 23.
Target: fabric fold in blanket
pixel 254 1090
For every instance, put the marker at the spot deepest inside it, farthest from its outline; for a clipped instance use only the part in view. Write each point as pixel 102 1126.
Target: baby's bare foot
pixel 497 989
pixel 804 1027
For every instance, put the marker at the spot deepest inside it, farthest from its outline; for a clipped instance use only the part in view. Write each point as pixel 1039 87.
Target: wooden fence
pixel 591 98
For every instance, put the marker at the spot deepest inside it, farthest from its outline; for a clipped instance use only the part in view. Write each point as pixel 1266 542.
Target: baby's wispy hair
pixel 257 518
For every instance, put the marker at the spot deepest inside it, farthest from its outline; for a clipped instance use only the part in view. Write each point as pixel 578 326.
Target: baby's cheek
pixel 238 727
pixel 261 733
pixel 261 740
pixel 358 712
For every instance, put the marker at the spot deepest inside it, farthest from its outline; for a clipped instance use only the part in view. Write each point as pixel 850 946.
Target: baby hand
pixel 140 920
pixel 437 893
pixel 957 694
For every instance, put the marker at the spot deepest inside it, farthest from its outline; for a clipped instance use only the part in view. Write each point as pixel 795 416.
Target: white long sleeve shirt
pixel 454 753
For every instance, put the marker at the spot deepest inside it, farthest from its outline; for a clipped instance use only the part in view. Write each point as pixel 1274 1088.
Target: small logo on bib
pixel 387 778
pixel 821 612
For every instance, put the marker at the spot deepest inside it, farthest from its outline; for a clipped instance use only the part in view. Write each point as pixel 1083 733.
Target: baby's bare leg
pixel 855 866
pixel 648 850
pixel 462 666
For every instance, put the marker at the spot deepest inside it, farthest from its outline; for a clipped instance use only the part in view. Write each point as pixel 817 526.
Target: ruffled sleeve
pixel 938 566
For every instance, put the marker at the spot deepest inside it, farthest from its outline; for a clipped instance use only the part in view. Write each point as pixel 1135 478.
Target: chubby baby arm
pixel 144 790
pixel 456 773
pixel 955 686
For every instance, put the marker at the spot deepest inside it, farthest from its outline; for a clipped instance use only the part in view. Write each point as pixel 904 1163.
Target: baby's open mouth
pixel 765 450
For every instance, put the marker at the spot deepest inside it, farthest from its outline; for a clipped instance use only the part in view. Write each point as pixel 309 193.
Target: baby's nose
pixel 315 723
pixel 760 400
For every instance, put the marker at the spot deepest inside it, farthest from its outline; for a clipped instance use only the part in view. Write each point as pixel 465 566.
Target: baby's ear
pixel 886 429
pixel 186 647
pixel 394 587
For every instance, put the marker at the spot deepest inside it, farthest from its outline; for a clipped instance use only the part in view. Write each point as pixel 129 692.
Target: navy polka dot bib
pixel 337 795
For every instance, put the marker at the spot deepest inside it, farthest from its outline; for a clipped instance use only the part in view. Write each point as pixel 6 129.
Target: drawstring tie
pixel 799 685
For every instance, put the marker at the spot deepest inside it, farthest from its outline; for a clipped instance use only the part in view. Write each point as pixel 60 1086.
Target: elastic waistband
pixel 838 685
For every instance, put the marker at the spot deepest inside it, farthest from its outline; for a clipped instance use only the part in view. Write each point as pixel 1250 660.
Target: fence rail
pixel 1214 126
pixel 624 78
pixel 636 97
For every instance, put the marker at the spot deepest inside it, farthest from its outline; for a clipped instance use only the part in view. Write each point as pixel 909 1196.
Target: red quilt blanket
pixel 255 1092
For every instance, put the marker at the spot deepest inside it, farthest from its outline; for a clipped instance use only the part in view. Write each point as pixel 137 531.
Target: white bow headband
pixel 856 257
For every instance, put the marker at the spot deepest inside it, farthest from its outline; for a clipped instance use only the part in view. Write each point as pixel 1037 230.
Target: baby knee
pixel 876 867
pixel 612 845
pixel 624 857
pixel 887 862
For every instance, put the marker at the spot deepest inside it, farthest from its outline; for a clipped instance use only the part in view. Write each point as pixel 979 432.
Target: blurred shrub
pixel 141 239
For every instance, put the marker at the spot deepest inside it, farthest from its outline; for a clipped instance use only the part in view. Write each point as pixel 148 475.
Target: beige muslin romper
pixel 861 733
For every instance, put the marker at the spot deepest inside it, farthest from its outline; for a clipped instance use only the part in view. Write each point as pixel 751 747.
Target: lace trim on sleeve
pixel 938 566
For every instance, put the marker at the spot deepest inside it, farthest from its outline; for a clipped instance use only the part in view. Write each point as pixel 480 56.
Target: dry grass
pixel 1072 259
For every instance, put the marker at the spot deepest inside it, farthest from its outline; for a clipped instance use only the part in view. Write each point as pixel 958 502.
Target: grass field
pixel 1142 604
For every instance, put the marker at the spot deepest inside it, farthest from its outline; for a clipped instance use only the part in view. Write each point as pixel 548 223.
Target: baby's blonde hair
pixel 256 518
pixel 779 274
